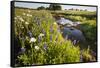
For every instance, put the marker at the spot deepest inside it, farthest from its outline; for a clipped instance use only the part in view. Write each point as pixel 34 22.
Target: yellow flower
pixel 55 23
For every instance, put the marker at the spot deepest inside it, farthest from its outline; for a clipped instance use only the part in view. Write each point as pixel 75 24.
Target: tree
pixel 41 8
pixel 55 7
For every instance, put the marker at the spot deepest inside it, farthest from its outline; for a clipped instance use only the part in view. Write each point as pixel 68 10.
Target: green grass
pixel 37 33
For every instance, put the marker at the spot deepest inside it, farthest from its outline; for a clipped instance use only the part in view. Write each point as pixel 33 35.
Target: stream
pixel 70 32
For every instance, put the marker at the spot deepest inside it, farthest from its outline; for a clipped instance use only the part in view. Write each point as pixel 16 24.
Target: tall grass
pixel 39 40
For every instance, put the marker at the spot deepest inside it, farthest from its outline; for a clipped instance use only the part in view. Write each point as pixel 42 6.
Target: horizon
pixel 36 5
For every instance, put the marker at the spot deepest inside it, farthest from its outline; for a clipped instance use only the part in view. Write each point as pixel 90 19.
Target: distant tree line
pixel 77 9
pixel 51 7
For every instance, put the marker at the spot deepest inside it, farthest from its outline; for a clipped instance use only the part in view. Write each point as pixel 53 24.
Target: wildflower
pixel 18 16
pixel 38 22
pixel 51 29
pixel 24 14
pixel 15 18
pixel 93 53
pixel 55 23
pixel 29 15
pixel 58 30
pixel 22 27
pixel 45 46
pixel 23 50
pixel 21 19
pixel 35 17
pixel 39 39
pixel 74 42
pixel 32 40
pixel 50 37
pixel 26 23
pixel 36 47
pixel 30 34
pixel 43 31
pixel 41 35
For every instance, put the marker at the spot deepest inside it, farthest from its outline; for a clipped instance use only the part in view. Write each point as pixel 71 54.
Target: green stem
pixel 32 53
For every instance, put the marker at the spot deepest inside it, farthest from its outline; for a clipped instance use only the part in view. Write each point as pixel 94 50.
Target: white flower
pixel 41 35
pixel 24 14
pixel 55 23
pixel 26 23
pixel 18 16
pixel 36 47
pixel 32 40
pixel 29 15
pixel 15 18
pixel 29 11
pixel 22 27
pixel 21 19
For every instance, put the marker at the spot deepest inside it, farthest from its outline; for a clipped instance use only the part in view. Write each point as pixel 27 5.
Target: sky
pixel 35 5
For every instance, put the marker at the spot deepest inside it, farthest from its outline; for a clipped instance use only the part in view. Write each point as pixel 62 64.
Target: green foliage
pixel 90 32
pixel 40 39
pixel 76 18
pixel 55 7
pixel 41 8
pixel 86 53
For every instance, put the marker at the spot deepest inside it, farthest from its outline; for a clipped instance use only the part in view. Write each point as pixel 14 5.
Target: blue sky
pixel 35 5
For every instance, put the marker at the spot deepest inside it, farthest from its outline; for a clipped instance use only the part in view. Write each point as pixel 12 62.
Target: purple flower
pixel 39 39
pixel 74 42
pixel 30 34
pixel 50 37
pixel 38 22
pixel 58 30
pixel 23 50
pixel 45 46
pixel 35 17
pixel 51 29
pixel 93 53
pixel 43 31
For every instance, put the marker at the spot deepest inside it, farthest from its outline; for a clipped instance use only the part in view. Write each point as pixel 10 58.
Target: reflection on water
pixel 70 32
pixel 64 21
pixel 73 34
pixel 67 22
